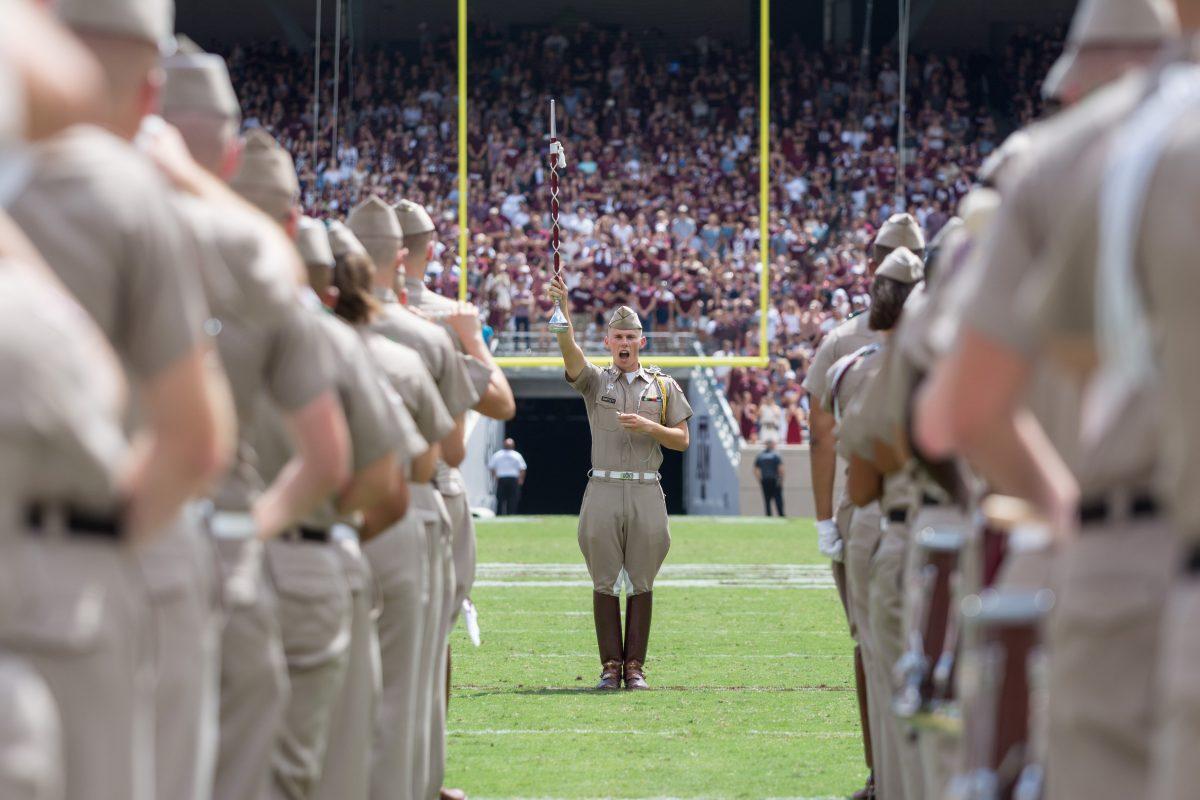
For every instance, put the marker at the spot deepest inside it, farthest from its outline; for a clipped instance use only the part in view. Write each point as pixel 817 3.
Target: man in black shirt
pixel 768 468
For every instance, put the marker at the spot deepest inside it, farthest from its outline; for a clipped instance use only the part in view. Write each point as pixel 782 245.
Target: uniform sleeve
pixel 816 382
pixel 455 382
pixel 372 422
pixel 300 364
pixel 521 462
pixel 409 441
pixel 678 408
pixel 164 308
pixel 433 418
pixel 996 269
pixel 479 374
pixel 587 382
pixel 1057 299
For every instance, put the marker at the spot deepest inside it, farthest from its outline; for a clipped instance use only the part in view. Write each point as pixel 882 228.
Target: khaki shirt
pixel 846 382
pixel 838 343
pixel 414 387
pixel 268 343
pixel 1063 302
pixel 606 393
pixel 61 411
pixel 1065 163
pixel 105 222
pixel 378 424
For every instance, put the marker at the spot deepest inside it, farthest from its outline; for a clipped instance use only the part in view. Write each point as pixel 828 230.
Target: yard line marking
pixel 692 657
pixel 581 687
pixel 701 797
pixel 666 733
pixel 686 576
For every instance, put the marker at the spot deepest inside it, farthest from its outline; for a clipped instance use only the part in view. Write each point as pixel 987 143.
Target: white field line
pixel 665 734
pixel 693 657
pixel 688 576
pixel 687 519
pixel 701 797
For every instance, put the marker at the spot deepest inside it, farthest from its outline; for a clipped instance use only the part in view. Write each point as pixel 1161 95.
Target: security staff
pixel 633 412
pixel 834 526
pixel 508 469
pixel 105 222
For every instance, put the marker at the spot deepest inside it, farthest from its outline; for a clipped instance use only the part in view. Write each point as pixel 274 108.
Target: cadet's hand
pixel 829 541
pixel 464 321
pixel 635 423
pixel 557 290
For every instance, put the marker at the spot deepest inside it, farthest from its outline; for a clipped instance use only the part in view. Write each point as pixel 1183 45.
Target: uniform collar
pixel 416 287
pixel 385 294
pixel 640 373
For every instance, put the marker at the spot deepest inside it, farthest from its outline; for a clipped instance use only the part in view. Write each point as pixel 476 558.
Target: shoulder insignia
pixel 858 313
pixel 653 370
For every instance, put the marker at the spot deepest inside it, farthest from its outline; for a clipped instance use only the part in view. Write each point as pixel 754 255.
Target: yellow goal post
pixel 764 210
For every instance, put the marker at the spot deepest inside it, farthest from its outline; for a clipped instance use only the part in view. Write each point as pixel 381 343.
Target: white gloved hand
pixel 829 541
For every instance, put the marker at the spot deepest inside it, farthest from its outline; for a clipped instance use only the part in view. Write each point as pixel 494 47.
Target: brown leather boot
pixel 452 794
pixel 606 608
pixel 638 608
pixel 867 792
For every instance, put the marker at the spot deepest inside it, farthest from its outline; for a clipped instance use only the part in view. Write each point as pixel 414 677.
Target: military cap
pixel 342 240
pixel 267 177
pixel 312 241
pixel 184 45
pixel 199 82
pixel 902 265
pixel 901 230
pixel 413 217
pixel 999 162
pixel 977 208
pixel 1110 23
pixel 625 319
pixel 150 21
pixel 376 226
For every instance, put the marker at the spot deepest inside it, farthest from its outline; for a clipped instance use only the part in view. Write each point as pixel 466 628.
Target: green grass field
pixel 750 663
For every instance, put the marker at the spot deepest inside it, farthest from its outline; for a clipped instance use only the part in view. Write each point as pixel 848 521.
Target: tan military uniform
pixel 843 385
pixel 414 595
pixel 623 530
pixel 69 603
pixel 1103 631
pixel 134 271
pixel 315 601
pixel 270 347
pixel 1118 575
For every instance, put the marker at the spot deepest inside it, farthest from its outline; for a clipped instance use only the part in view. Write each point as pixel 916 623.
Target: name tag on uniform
pixel 607 399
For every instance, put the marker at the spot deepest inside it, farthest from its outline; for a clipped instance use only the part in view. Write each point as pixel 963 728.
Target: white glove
pixel 829 541
pixel 471 620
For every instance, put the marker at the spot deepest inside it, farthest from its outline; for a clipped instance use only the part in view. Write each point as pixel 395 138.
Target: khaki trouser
pixel 399 559
pixel 1175 773
pixel 463 527
pixel 30 735
pixel 1111 586
pixel 346 772
pixel 254 679
pixel 861 540
pixel 314 608
pixel 83 625
pixel 428 742
pixel 940 753
pixel 623 527
pixel 887 631
pixel 180 574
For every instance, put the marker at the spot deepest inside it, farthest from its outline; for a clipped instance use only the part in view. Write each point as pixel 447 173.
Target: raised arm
pixel 573 358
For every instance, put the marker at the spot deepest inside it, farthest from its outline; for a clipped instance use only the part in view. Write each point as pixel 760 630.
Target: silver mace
pixel 558 320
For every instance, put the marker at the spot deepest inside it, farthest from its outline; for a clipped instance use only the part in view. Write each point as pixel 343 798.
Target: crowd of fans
pixel 660 198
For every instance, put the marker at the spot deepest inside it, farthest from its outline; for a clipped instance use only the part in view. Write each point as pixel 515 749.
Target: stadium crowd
pixel 660 197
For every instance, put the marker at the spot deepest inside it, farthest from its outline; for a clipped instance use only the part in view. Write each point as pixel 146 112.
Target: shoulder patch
pixel 653 370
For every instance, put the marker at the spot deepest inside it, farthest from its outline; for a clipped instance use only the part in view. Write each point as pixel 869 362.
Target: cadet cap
pixel 267 177
pixel 902 265
pixel 375 225
pixel 342 240
pixel 901 230
pixel 625 319
pixel 149 21
pixel 198 82
pixel 312 241
pixel 413 217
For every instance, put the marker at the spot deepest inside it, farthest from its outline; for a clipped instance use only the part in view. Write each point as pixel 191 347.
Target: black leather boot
pixel 606 608
pixel 638 608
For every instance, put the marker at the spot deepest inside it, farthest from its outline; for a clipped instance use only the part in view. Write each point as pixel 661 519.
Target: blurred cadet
pixel 413 559
pixel 508 469
pixel 1092 481
pixel 633 412
pixel 271 347
pixel 104 220
pixel 768 469
pixel 851 557
pixel 897 768
pixel 461 380
pixel 496 401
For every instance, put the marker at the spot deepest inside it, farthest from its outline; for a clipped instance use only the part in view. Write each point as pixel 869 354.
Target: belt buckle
pixel 627 476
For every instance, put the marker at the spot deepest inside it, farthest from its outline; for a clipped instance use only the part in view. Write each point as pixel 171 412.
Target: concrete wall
pixel 484 437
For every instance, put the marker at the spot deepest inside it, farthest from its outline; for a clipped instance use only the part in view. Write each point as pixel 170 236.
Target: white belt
pixel 232 525
pixel 341 532
pixel 613 475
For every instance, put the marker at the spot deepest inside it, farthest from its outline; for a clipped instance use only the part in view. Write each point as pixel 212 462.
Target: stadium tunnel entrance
pixel 551 432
